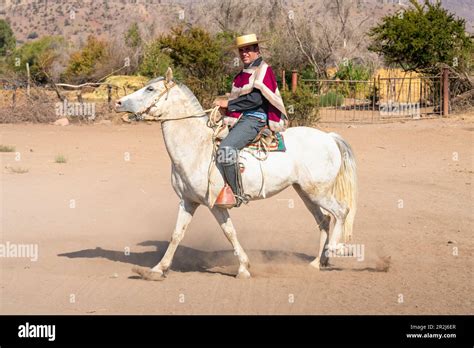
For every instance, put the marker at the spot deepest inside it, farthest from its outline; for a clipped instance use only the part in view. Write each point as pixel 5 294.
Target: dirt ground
pixel 415 216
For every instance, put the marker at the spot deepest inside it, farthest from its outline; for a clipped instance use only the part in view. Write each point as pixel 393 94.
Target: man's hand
pixel 221 103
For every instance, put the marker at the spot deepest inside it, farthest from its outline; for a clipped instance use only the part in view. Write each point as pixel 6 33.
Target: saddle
pixel 266 140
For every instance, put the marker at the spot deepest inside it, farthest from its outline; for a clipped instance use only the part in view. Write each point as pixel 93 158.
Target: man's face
pixel 248 53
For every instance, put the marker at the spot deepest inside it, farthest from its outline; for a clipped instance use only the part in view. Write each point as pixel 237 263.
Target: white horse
pixel 320 166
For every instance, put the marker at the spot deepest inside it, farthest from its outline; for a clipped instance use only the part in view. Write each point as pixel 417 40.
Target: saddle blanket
pixel 277 145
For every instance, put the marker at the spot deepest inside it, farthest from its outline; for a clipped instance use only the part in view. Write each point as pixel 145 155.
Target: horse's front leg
pixel 223 218
pixel 185 214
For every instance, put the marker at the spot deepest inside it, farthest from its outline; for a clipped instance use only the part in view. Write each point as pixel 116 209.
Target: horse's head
pixel 149 99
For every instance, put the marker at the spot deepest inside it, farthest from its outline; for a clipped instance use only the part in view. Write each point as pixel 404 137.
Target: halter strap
pixel 155 100
pixel 214 119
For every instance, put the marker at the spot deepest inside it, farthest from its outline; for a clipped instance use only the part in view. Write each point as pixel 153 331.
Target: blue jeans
pixel 243 132
pixel 227 156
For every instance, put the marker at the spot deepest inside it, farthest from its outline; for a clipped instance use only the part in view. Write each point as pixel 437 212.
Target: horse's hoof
pixel 243 275
pixel 148 274
pixel 319 263
pixel 316 263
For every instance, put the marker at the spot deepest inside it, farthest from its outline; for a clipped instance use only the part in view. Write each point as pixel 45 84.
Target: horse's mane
pixel 190 95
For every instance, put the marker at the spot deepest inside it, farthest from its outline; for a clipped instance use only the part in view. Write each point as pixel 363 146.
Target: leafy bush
pixel 331 99
pixel 83 63
pixel 352 72
pixel 7 39
pixel 155 61
pixel 193 49
pixel 132 36
pixel 40 55
pixel 301 106
pixel 199 56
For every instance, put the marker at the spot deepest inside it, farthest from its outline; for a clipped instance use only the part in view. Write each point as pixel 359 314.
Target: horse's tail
pixel 344 188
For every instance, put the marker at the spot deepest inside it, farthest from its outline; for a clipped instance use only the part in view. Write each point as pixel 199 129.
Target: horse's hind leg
pixel 323 222
pixel 223 218
pixel 339 211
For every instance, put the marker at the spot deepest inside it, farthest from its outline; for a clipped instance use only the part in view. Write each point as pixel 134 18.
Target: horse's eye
pixel 150 89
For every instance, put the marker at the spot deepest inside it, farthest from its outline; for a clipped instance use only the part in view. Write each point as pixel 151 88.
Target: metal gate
pixel 378 100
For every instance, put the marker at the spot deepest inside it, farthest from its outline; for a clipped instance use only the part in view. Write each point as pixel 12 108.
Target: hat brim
pixel 234 46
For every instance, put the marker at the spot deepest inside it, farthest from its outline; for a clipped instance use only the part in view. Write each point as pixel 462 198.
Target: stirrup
pixel 226 198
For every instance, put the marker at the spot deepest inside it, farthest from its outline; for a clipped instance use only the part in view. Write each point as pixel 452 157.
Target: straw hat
pixel 246 40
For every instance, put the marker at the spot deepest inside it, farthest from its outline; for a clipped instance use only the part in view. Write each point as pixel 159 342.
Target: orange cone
pixel 226 198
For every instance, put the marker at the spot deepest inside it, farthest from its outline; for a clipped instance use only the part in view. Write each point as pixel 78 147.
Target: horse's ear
pixel 169 75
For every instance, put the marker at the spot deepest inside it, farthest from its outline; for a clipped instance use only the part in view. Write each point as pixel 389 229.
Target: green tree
pixel 7 39
pixel 133 38
pixel 155 61
pixel 201 58
pixel 194 50
pixel 83 63
pixel 40 55
pixel 422 36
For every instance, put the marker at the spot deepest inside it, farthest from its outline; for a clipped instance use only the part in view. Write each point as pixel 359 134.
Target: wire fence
pixel 379 99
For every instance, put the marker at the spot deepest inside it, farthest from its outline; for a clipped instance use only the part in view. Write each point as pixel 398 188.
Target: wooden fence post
pixel 14 98
pixel 294 80
pixel 283 80
pixel 374 97
pixel 28 79
pixel 445 91
pixel 109 96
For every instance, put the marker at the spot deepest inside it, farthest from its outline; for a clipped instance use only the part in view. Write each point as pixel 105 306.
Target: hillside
pixel 76 19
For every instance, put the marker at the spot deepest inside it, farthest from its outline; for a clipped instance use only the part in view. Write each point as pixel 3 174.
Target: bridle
pixel 168 86
pixel 139 114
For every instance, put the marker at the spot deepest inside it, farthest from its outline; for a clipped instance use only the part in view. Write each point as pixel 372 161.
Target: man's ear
pixel 169 75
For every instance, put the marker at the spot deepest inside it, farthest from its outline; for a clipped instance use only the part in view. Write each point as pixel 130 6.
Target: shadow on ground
pixel 189 259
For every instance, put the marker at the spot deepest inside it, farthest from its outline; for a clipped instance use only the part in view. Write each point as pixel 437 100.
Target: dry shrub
pixel 17 106
pixel 462 93
pixel 43 103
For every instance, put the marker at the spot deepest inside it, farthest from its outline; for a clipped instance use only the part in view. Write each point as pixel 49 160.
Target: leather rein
pixel 168 87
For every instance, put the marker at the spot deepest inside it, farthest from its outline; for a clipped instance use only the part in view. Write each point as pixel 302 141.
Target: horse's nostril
pixel 119 103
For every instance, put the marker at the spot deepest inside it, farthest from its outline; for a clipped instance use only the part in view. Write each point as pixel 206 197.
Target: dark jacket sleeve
pixel 250 101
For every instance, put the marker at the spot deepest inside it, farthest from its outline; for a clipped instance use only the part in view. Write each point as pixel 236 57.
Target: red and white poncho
pixel 262 78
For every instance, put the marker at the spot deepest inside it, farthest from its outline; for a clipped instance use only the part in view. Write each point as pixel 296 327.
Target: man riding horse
pixel 253 104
